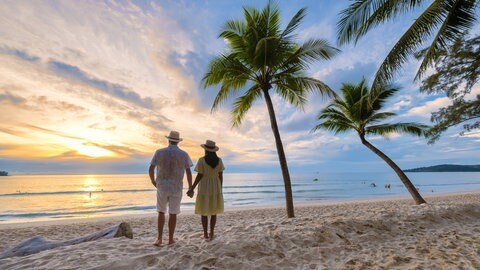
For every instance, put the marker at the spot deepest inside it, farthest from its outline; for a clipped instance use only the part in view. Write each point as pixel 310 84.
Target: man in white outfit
pixel 172 163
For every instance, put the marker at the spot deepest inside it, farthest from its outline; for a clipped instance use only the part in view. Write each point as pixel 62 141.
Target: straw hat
pixel 174 136
pixel 210 146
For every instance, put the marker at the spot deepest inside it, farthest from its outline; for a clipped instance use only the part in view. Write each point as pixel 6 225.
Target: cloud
pixel 50 132
pixel 322 30
pixel 335 77
pixel 102 127
pixel 43 102
pixel 97 39
pixel 472 134
pixel 19 53
pixel 112 89
pixel 9 97
pixel 430 106
pixel 401 102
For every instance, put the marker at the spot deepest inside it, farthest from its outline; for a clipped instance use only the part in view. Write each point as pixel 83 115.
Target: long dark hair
pixel 212 159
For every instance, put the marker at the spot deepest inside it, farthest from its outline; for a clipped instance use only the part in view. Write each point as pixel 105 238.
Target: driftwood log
pixel 39 243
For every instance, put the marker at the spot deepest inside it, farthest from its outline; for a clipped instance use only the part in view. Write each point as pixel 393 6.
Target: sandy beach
pixel 380 234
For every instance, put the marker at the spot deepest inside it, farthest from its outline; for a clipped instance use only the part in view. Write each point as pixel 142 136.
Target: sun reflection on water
pixel 91 187
pixel 90 183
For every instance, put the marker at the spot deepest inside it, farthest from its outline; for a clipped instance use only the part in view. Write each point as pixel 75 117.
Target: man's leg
pixel 174 201
pixel 161 209
pixel 205 226
pixel 213 221
pixel 160 224
pixel 172 223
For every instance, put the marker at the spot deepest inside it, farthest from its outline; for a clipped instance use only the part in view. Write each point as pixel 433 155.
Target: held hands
pixel 190 193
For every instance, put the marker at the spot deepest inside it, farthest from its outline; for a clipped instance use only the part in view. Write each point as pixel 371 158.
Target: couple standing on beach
pixel 172 163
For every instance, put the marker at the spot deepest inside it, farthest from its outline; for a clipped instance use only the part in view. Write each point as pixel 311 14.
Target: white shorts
pixel 173 199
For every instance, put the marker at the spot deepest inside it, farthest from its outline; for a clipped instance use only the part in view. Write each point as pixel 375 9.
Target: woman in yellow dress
pixel 209 201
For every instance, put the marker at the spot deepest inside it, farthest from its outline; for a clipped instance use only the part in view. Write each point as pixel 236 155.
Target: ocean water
pixel 25 198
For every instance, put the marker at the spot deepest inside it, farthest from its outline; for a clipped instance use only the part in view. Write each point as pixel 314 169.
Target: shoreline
pixel 365 234
pixel 120 217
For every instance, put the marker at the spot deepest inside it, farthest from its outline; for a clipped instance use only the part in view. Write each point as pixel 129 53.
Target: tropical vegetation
pixel 455 74
pixel 359 109
pixel 263 60
pixel 441 24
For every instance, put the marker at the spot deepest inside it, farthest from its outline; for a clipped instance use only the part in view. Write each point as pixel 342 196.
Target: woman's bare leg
pixel 205 226
pixel 213 221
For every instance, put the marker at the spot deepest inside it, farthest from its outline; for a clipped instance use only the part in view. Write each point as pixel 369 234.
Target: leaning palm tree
pixel 359 110
pixel 442 22
pixel 262 60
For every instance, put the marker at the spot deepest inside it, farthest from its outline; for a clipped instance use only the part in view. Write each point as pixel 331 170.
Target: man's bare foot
pixel 171 242
pixel 158 242
pixel 205 236
pixel 212 236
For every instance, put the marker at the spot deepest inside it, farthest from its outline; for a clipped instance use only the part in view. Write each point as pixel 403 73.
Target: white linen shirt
pixel 171 163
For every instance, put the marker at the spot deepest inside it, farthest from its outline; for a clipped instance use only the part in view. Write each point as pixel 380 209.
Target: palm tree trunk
pixel 281 156
pixel 410 187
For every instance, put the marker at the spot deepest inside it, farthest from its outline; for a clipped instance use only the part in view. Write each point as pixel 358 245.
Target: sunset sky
pixel 94 87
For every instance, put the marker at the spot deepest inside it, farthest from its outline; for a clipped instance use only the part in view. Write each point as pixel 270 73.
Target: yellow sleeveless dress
pixel 209 199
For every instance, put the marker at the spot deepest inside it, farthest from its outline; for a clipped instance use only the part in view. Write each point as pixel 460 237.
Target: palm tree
pixel 359 110
pixel 442 22
pixel 263 59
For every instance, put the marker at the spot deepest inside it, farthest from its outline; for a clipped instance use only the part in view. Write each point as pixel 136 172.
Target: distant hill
pixel 3 173
pixel 447 168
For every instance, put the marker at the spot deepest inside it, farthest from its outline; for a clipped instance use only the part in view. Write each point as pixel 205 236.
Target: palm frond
pixel 334 120
pixel 233 29
pixel 316 49
pixel 335 127
pixel 310 51
pixel 289 92
pixel 228 71
pixel 401 128
pixel 377 117
pixel 221 96
pixel 270 19
pixel 380 94
pixel 226 68
pixel 362 15
pixel 423 27
pixel 459 17
pixel 293 24
pixel 303 85
pixel 244 103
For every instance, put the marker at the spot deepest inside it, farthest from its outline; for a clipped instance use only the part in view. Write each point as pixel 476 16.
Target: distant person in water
pixel 209 201
pixel 172 163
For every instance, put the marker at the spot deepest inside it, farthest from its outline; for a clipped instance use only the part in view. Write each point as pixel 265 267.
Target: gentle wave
pixel 444 184
pixel 268 186
pixel 254 192
pixel 76 213
pixel 281 191
pixel 63 214
pixel 73 192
